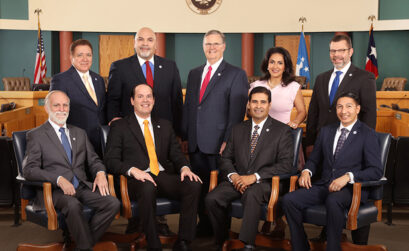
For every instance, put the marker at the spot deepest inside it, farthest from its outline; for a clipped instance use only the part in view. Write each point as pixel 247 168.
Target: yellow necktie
pixel 89 89
pixel 153 160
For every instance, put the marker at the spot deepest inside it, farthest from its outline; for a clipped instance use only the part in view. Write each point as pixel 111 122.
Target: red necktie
pixel 149 78
pixel 205 83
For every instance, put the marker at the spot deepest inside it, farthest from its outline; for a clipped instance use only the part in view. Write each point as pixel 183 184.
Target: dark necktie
pixel 254 139
pixel 206 81
pixel 149 76
pixel 67 148
pixel 340 142
pixel 334 87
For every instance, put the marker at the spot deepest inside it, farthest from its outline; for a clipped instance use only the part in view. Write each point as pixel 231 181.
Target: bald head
pixel 145 43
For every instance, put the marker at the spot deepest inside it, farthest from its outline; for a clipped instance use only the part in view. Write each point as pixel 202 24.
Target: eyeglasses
pixel 212 44
pixel 340 50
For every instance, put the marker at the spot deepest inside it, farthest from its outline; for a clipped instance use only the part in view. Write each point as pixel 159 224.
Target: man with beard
pixel 345 77
pixel 60 153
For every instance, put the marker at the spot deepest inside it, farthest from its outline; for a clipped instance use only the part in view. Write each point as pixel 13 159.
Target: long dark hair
pixel 288 74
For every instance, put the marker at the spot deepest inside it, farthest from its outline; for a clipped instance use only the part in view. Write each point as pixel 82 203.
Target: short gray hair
pixel 215 32
pixel 47 98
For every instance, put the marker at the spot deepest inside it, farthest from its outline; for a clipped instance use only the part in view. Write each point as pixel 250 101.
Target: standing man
pixel 348 152
pixel 329 85
pixel 86 90
pixel 61 154
pixel 258 149
pixel 145 67
pixel 145 149
pixel 216 98
pixel 345 77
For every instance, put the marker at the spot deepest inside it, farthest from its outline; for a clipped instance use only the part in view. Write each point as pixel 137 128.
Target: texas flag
pixel 371 61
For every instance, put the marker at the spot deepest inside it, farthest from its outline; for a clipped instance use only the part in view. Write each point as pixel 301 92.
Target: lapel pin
pixel 95 79
pixel 158 126
pixel 73 139
pixel 219 74
pixel 160 66
pixel 354 132
pixel 350 74
pixel 267 130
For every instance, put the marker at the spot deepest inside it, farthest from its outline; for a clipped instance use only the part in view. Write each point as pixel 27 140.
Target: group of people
pixel 151 129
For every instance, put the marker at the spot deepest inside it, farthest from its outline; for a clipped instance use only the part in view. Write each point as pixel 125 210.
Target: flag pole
pixel 38 11
pixel 302 20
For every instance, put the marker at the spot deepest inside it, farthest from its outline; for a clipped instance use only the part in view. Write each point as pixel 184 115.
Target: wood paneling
pixel 112 48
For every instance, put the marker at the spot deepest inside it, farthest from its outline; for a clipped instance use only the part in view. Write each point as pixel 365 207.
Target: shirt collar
pixel 349 128
pixel 140 120
pixel 344 70
pixel 83 73
pixel 142 61
pixel 261 124
pixel 215 65
pixel 55 126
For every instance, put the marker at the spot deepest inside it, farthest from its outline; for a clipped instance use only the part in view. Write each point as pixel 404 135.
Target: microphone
pixel 24 70
pixel 7 106
pixel 396 106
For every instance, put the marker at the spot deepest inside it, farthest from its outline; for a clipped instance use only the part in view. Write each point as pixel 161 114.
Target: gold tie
pixel 153 160
pixel 89 89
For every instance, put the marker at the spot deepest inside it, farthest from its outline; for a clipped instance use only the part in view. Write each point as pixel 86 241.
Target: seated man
pixel 258 149
pixel 348 152
pixel 145 150
pixel 60 153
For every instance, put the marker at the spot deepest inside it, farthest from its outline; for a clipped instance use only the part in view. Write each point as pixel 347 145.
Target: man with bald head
pixel 145 67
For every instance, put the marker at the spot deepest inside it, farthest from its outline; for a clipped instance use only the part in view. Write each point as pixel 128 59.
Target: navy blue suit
pixel 84 113
pixel 206 125
pixel 360 155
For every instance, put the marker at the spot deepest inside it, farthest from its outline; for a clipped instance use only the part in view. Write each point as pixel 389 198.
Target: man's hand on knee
pixel 66 186
pixel 141 175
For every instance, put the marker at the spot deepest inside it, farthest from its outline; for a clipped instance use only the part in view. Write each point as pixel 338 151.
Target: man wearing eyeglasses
pixel 345 77
pixel 216 98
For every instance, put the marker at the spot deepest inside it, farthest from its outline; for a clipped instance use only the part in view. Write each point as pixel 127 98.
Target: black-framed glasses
pixel 340 50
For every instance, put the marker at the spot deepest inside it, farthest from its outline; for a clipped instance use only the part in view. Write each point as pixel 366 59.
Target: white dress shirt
pixel 215 66
pixel 341 77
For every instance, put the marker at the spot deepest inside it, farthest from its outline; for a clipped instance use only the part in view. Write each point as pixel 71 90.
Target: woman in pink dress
pixel 285 92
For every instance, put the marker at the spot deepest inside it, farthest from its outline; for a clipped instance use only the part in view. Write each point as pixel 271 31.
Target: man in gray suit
pixel 59 153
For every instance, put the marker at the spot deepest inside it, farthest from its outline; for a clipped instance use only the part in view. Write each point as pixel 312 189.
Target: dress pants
pixel 168 186
pixel 336 203
pixel 218 202
pixel 84 233
pixel 202 165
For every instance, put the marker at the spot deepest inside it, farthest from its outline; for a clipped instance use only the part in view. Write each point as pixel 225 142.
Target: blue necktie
pixel 67 148
pixel 334 87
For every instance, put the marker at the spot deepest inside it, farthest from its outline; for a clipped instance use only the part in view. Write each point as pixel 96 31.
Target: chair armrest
pixel 213 180
pixel 293 183
pixel 49 206
pixel 126 202
pixel 272 203
pixel 353 210
pixel 111 188
pixel 372 183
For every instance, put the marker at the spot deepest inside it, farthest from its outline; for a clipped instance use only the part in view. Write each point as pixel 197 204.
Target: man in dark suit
pixel 145 149
pixel 257 150
pixel 329 85
pixel 348 152
pixel 86 90
pixel 216 98
pixel 60 153
pixel 145 67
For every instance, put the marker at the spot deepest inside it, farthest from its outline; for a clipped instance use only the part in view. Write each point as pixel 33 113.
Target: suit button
pixel 333 169
pixel 329 110
pixel 199 107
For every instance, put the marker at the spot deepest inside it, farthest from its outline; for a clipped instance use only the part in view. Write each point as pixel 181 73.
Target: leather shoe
pixel 247 249
pixel 163 229
pixel 181 245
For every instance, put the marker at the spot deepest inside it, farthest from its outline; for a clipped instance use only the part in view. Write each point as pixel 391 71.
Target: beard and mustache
pixel 59 117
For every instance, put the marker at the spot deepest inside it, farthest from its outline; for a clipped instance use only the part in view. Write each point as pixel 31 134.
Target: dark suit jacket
pixel 273 155
pixel 126 73
pixel 360 154
pixel 321 113
pixel 84 113
pixel 46 159
pixel 126 146
pixel 208 124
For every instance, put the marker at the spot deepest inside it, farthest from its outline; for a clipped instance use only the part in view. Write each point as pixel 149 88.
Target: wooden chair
pixel 393 84
pixel 359 214
pixel 268 211
pixel 50 218
pixel 16 84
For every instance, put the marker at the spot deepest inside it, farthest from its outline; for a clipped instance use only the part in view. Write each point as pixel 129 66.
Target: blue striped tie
pixel 67 148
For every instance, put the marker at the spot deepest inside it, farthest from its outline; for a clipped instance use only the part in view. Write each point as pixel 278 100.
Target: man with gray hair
pixel 60 154
pixel 216 98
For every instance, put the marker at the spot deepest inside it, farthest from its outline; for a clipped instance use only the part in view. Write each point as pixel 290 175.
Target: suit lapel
pixel 74 145
pixel 137 131
pixel 353 134
pixel 138 73
pixel 245 147
pixel 49 130
pixel 198 80
pixel 330 148
pixel 157 135
pixel 214 80
pixel 345 81
pixel 261 139
pixel 326 80
pixel 158 67
pixel 77 81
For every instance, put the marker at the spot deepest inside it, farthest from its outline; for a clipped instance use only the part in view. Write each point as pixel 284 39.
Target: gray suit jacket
pixel 46 159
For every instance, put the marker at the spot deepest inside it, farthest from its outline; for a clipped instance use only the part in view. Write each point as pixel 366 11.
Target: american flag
pixel 40 65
